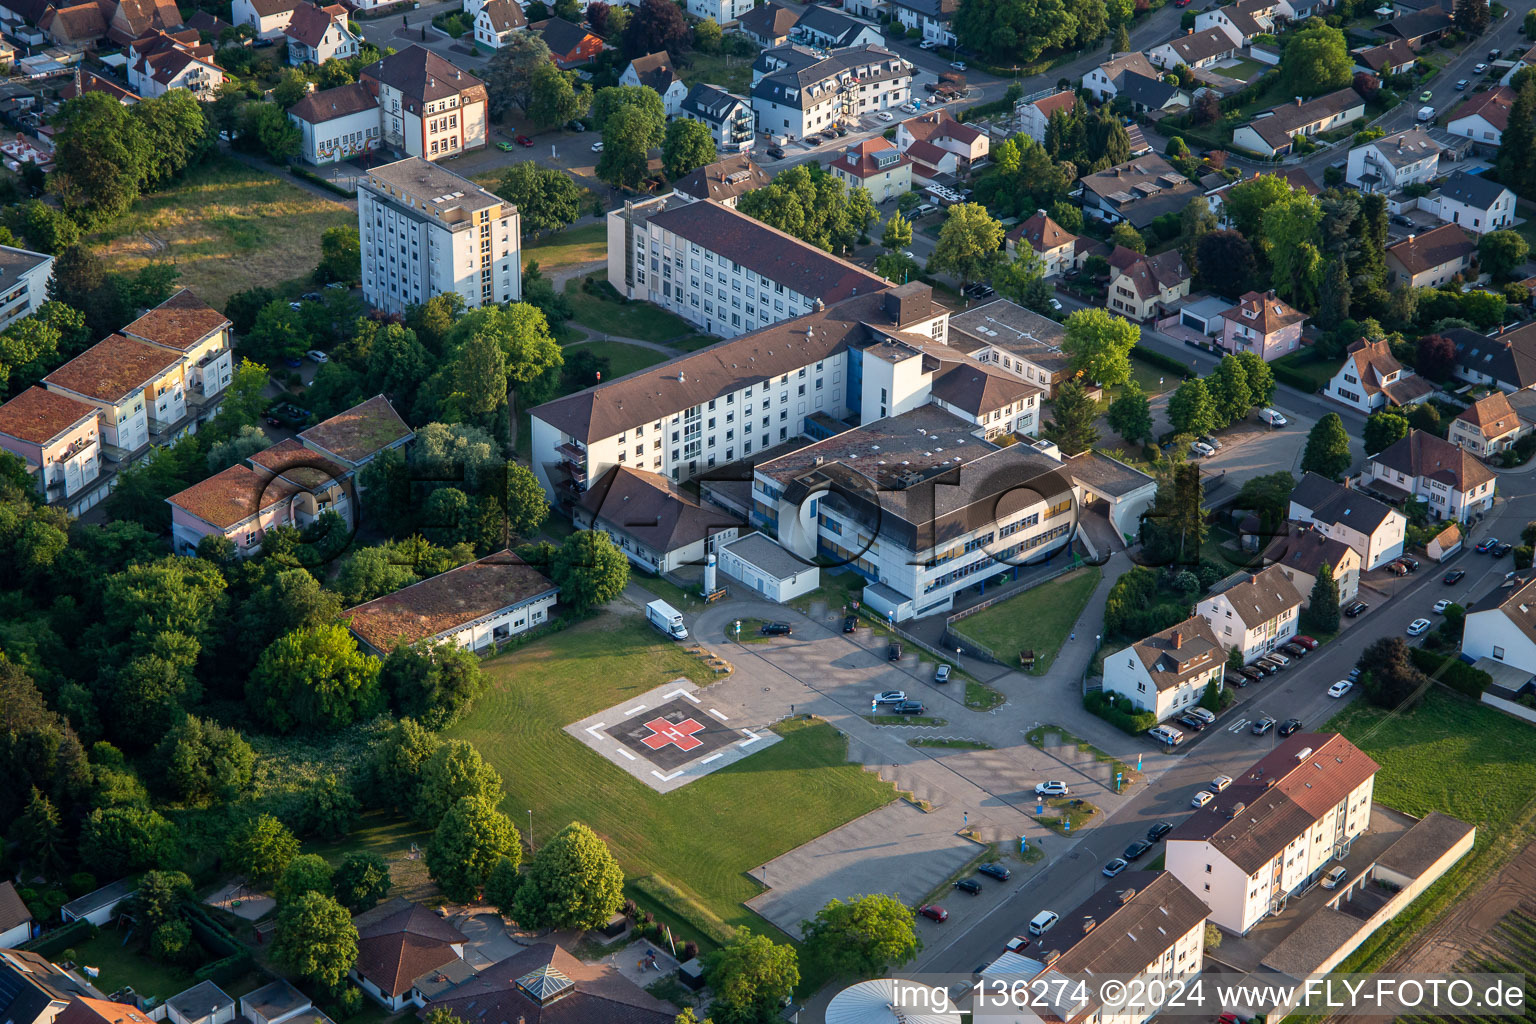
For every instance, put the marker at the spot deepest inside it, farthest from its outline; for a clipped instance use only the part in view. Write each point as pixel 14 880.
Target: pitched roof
pixel 398 941
pixel 1264 312
pixel 422 75
pixel 1492 106
pixel 13 911
pixel 1388 55
pixel 297 464
pixel 769 21
pixel 724 179
pixel 767 251
pixel 207 23
pixel 203 1000
pixel 1474 190
pixel 929 155
pixel 1142 189
pixel 228 498
pixel 1434 248
pixel 1152 93
pixel 1307 550
pixel 1179 652
pixel 90 81
pixel 311 22
pixel 1151 275
pixel 1287 119
pixel 1509 357
pixel 561 36
pixel 80 23
pixel 653 510
pixel 360 432
pixel 840 29
pixel 38 415
pixel 112 369
pixel 1417 24
pixel 1492 416
pixel 1134 61
pixel 939 125
pixel 1042 233
pixel 979 389
pixel 1406 147
pixel 654 70
pixel 712 103
pixel 179 322
pixel 1425 455
pixel 85 1010
pixel 543 984
pixel 322 106
pixel 1123 928
pixel 1333 503
pixel 1261 596
pixel 267 8
pixel 446 602
pixel 1203 45
pixel 1057 102
pixel 504 15
pixel 1278 798
pixel 863 159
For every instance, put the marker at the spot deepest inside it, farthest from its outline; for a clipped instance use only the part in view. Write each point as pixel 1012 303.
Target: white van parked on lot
pixel 1043 922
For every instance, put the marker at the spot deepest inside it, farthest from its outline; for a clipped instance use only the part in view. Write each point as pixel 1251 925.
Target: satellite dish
pixel 891 1001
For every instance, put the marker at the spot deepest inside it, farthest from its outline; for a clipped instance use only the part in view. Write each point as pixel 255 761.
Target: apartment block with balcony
pixel 728 117
pixel 426 231
pixel 137 388
pixel 59 440
pixel 798 91
pixel 1255 616
pixel 24 278
pixel 1271 835
pixel 200 336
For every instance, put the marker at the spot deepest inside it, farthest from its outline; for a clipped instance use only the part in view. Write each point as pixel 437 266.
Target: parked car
pixel 524 141
pixel 893 652
pixel 851 624
pixel 909 707
pixel 1158 830
pixel 1262 726
pixel 286 414
pixel 1411 562
pixel 1201 448
pixel 1263 667
pixel 1418 626
pixel 1115 866
pixel 1043 922
pixel 885 115
pixel 1288 726
pixel 1340 688
pixel 941 674
pixel 1017 944
pixel 933 912
pixel 1220 783
pixel 840 131
pixel 958 65
pixel 1502 549
pixel 1295 650
pixel 505 147
pixel 776 629
pixel 776 152
pixel 1461 86
pixel 1054 787
pixel 1200 799
pixel 1453 577
pixel 1054 304
pixel 1334 876
pixel 1305 641
pixel 318 356
pixel 1441 605
pixel 1211 440
pixel 1355 608
pixel 909 108
pixel 1397 568
pixel 969 885
pixel 1479 68
pixel 576 126
pixel 597 147
pixel 1251 674
pixel 891 697
pixel 995 870
pixel 1276 659
pixel 927 44
pixel 1272 417
pixel 1488 544
pixel 1234 679
pixel 1136 849
pixel 1191 722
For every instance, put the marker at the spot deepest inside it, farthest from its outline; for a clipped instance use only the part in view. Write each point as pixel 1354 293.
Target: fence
pixel 980 651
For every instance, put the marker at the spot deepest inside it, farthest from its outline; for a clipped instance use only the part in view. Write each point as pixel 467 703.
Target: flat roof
pixel 103 897
pixel 767 556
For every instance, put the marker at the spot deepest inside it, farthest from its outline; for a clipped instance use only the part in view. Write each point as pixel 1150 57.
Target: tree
pixel 316 939
pixel 589 569
pixel 260 848
pixel 1389 677
pixel 1247 200
pixel 555 96
pixel 1196 221
pixel 1073 414
pixel 1327 452
pixel 969 243
pixel 1383 429
pixel 1516 159
pixel 453 771
pixel 688 144
pixel 202 759
pixel 39 834
pixel 1435 357
pixel 522 500
pixel 897 234
pixel 314 678
pixel 546 199
pixel 1228 386
pixel 751 978
pixel 361 881
pixel 707 36
pixel 117 840
pixel 572 882
pixel 171 942
pixel 1290 234
pixel 502 885
pixel 1322 612
pixel 1130 415
pixel 1014 31
pixel 1123 234
pixel 100 158
pixel 269 125
pixel 512 69
pixel 1122 40
pixel 1224 262
pixel 1023 280
pixel 861 937
pixel 433 684
pixel 1472 16
pixel 305 873
pixel 1100 344
pixel 1500 252
pixel 656 25
pixel 1315 60
pixel 626 144
pixel 341 256
pixel 1261 379
pixel 468 843
pixel 609 101
pixel 1269 498
pixel 330 808
pixel 1191 409
pixel 174 133
pixel 814 206
pixel 160 897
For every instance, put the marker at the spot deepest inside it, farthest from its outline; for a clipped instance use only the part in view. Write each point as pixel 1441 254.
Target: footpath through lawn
pixel 703 838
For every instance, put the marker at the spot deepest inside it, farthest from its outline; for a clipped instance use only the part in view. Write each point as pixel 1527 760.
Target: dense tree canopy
pixel 814 206
pixel 861 937
pixel 572 882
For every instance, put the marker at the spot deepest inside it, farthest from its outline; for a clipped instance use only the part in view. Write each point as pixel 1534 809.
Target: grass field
pixel 1306 363
pixel 1039 618
pixel 1242 71
pixel 226 227
pixel 130 964
pixel 734 74
pixel 628 320
pixel 570 247
pixel 702 838
pixel 622 359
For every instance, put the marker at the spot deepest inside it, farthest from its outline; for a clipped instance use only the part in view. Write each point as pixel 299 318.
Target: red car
pixel 933 912
pixel 1305 641
pixel 523 140
pixel 1181 3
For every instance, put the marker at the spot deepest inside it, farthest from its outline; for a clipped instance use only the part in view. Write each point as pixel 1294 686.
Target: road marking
pixel 713 757
pixel 754 739
pixel 634 710
pixel 718 715
pixel 679 693
pixel 665 778
pixel 1238 725
pixel 626 753
pixel 592 729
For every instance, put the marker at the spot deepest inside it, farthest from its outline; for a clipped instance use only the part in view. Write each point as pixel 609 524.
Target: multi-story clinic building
pixel 426 231
pixel 720 269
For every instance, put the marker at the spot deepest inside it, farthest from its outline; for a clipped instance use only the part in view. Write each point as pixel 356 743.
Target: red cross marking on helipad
pixel 664 732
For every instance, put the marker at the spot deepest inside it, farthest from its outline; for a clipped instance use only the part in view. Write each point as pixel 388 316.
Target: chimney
pixel 1089 924
pixel 1410 238
pixel 1039 213
pixel 1253 579
pixel 1178 639
pixel 1298 101
pixel 682 378
pixel 1126 896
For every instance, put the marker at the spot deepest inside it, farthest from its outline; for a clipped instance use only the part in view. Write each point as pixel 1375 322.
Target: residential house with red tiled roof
pixel 428 107
pixel 1483 117
pixel 58 438
pixel 474 606
pixel 162 61
pixel 944 133
pixel 1422 466
pixel 77 25
pixel 89 81
pixel 133 19
pixel 136 386
pixel 768 24
pixel 874 164
pixel 1053 244
pixel 1272 134
pixel 1034 115
pixel 84 1010
pixel 1196 49
pixel 1487 426
pixel 399 942
pixel 1141 287
pixel 1167 672
pixel 15 918
pixel 1262 323
pixel 1301 555
pixel 1276 829
pixel 1372 378
pixel 1431 258
pixel 317 33
pixel 1394 58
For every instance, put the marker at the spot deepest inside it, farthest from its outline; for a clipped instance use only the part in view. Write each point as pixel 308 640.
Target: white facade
pixel 723 11
pixel 1471 216
pixel 337 43
pixel 340 138
pixel 1375 549
pixel 851 84
pixel 267 17
pixel 1492 633
pixel 767 569
pixel 731 123
pixel 1125 674
pixel 426 231
pixel 934 29
pixel 486 32
pixel 1446 501
pixel 671 98
pixel 1237 624
pixel 1393 163
pixel 24 278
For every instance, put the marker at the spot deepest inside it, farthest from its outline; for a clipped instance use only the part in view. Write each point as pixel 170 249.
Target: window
pixel 1498 652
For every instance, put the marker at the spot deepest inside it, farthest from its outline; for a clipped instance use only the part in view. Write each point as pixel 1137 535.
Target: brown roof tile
pixel 1261 596
pixel 311 22
pixel 1042 233
pixel 1263 312
pixel 769 21
pixel 360 432
pixel 1179 652
pixel 1493 106
pixel 12 910
pixel 112 369
pixel 233 496
pixel 399 941
pixel 38 415
pixel 327 104
pixel 423 76
pixel 1433 248
pixel 1493 416
pixel 859 159
pixel 447 601
pixel 1425 455
pixel 655 70
pixel 653 509
pixel 583 993
pixel 179 322
pixel 724 179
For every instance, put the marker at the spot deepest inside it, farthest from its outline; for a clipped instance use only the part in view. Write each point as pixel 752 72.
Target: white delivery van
pixel 667 619
pixel 1426 113
pixel 1043 922
pixel 1272 417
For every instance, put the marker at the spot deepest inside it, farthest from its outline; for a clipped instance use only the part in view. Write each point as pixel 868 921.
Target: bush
pixel 1452 671
pixel 1106 707
pixel 1161 360
pixel 55 942
pixel 1289 375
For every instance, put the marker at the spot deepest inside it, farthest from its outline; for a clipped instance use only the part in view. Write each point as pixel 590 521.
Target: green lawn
pixel 570 247
pixel 130 964
pixel 1455 756
pixel 905 720
pixel 703 838
pixel 1243 71
pixel 1039 618
pixel 627 320
pixel 734 74
pixel 622 359
pixel 1308 364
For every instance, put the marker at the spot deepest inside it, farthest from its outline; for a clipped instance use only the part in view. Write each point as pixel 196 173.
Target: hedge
pixel 1296 379
pixel 60 939
pixel 1161 360
pixel 325 183
pixel 1133 722
pixel 1451 671
pixel 236 959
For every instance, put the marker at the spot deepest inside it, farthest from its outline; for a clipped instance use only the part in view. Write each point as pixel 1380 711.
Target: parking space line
pixel 712 757
pixel 678 693
pixel 754 738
